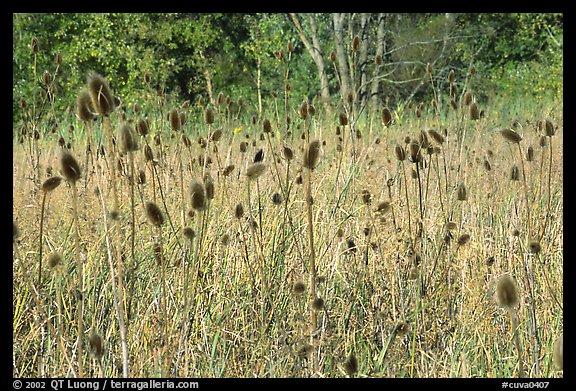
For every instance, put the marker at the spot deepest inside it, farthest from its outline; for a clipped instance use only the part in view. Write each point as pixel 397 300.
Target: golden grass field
pixel 406 273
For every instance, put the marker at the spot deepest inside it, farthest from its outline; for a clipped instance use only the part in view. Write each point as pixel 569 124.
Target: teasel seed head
pixel 277 198
pixel 386 116
pixel 143 126
pixel 255 170
pixel 198 196
pixel 511 136
pixel 34 45
pixel 453 104
pixel 228 170
pixel 96 346
pixel 259 156
pixel 351 365
pixel 70 167
pixel 217 135
pixel 378 60
pixel 535 247
pixel 312 155
pixel 543 142
pixel 530 154
pixel 343 119
pixel 474 111
pixel 154 214
pixel 506 292
pixel 209 186
pixel 239 211
pixel 266 126
pixel 400 153
pixel 100 93
pixel 415 154
pixel 451 76
pixel 174 119
pixel 129 139
pixel 148 154
pixel 383 207
pixel 463 239
pixel 288 153
pixel 462 193
pixel 189 233
pixel 468 98
pixel 298 288
pixel 356 43
pixel 514 173
pixel 487 165
pixel 437 137
pixel 84 106
pixel 209 116
pixel 559 352
pixel 141 177
pixel 304 110
pixel 54 260
pixel 318 304
pixel 51 183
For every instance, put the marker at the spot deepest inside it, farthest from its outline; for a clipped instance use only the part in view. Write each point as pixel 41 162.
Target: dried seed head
pixel 366 197
pixel 198 196
pixel 148 154
pixel 356 43
pixel 304 110
pixel 515 232
pixel 189 233
pixel 84 106
pixel 51 183
pixel 343 119
pixel 415 154
pixel 401 329
pixel 141 177
pixel 100 93
pixel 474 111
pixel 298 288
pixel 266 126
pixel 277 198
pixel 535 247
pixel 451 76
pixel 318 304
pixel 383 207
pixel 228 170
pixel 217 135
pixel 386 116
pixel 506 293
pixel 463 239
pixel 209 187
pixel 514 173
pixel 70 167
pixel 450 226
pixel 437 137
pixel 174 119
pixel 487 165
pixel 453 104
pixel 255 170
pixel 462 193
pixel 549 129
pixel 259 156
pixel 143 126
pixel 559 353
pixel 209 116
pixel 243 146
pixel 96 346
pixel 467 98
pixel 530 154
pixel 511 136
pixel 154 214
pixel 351 246
pixel 288 154
pixel 34 45
pixel 378 59
pixel 400 153
pixel 129 139
pixel 312 155
pixel 543 142
pixel 351 365
pixel 239 211
pixel 54 260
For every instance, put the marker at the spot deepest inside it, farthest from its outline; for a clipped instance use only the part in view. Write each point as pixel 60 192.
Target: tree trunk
pixel 341 55
pixel 379 52
pixel 315 52
pixel 363 58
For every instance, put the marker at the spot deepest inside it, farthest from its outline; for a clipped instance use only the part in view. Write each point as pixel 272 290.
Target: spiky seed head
pixel 549 129
pixel 559 352
pixel 277 198
pixel 129 139
pixel 400 153
pixel 143 126
pixel 450 226
pixel 462 193
pixel 189 233
pixel 453 104
pixel 115 214
pixel 386 116
pixel 535 247
pixel 487 165
pixel 356 43
pixel 530 154
pixel 514 173
pixel 515 232
pixel 209 187
pixel 474 111
pixel 351 365
pixel 332 56
pixel 311 110
pixel 311 155
pixel 141 177
pixel 259 156
pixel 154 214
pixel 351 246
pixel 506 293
pixel 378 59
pixel 34 45
pixel 383 207
pixel 437 137
pixel 318 304
pixel 298 288
pixel 54 260
pixel 228 170
pixel 96 345
pixel 463 239
pixel 255 170
pixel 209 116
pixel 343 119
pixel 543 142
pixel 243 146
pixel 451 76
pixel 198 196
pixel 511 136
pixel 401 329
pixel 239 211
pixel 70 167
pixel 100 94
pixel 174 119
pixel 415 154
pixel 217 135
pixel 288 153
pixel 84 106
pixel 304 110
pixel 467 98
pixel 148 154
pixel 51 183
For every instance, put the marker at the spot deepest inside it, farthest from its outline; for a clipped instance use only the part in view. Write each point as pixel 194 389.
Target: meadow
pixel 198 239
